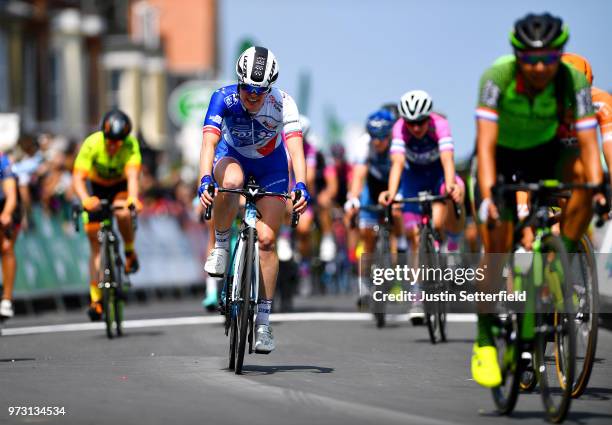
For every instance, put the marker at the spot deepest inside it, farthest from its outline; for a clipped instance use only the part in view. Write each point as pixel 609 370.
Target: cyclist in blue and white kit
pixel 371 174
pixel 8 206
pixel 243 136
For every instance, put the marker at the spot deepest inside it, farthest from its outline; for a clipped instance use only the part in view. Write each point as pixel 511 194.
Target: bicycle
pixel 112 279
pixel 383 230
pixel 430 259
pixel 240 291
pixel 548 316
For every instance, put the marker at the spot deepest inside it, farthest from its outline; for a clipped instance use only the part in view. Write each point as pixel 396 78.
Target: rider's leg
pixel 126 228
pixel 578 212
pixel 229 175
pixel 95 293
pixel 272 210
pixel 9 265
pixel 327 250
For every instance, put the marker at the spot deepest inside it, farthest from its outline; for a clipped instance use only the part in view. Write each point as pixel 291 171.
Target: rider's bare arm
pixel 485 144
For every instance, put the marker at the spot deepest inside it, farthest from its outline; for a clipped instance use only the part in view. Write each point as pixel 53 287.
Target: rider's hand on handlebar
pixel 455 191
pixel 351 204
pixel 133 201
pixel 203 191
pixel 385 198
pixel 302 203
pixel 91 203
pixel 602 208
pixel 488 212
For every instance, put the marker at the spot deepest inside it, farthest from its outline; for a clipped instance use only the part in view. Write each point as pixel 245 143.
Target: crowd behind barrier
pixel 52 258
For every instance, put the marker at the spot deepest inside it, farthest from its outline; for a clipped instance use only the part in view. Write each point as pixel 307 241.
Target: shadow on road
pixel 596 393
pixel 254 370
pixel 24 359
pixel 448 341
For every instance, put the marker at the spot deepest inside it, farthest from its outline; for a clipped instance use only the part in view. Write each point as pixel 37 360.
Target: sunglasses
pixel 114 141
pixel 532 58
pixel 253 89
pixel 417 122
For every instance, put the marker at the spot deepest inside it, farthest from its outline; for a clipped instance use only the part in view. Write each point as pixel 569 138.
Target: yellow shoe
pixel 485 368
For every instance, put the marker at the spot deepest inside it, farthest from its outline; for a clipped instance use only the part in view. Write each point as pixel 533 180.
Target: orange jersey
pixel 602 101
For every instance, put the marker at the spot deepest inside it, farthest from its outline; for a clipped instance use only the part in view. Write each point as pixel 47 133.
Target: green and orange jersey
pixel 602 101
pixel 526 122
pixel 94 162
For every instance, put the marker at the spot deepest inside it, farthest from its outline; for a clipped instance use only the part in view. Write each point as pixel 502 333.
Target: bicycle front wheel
pixel 429 258
pixel 555 345
pixel 244 305
pixel 506 332
pixel 586 296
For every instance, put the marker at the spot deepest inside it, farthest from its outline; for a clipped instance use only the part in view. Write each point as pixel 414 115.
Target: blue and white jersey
pixel 379 164
pixel 6 171
pixel 252 136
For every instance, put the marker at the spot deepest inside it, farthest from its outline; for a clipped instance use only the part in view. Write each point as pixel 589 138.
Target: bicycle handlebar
pixel 430 198
pixel 249 192
pixel 105 204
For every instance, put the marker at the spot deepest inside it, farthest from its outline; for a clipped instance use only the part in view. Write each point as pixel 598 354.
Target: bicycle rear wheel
pixel 586 294
pixel 555 345
pixel 429 258
pixel 244 304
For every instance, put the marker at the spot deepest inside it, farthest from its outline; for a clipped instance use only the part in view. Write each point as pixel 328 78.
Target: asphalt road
pixel 337 369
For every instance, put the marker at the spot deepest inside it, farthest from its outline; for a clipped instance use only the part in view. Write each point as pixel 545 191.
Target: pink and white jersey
pixel 425 151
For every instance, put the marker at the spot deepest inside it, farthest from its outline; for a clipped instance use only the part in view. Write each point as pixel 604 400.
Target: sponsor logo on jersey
pixel 275 103
pixel 268 124
pixel 490 94
pixel 423 157
pixel 216 119
pixel 584 104
pixel 231 100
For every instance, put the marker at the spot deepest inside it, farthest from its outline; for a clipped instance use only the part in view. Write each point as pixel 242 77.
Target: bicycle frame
pixel 249 221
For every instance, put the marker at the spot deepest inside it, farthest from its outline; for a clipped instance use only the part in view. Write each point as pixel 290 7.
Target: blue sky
pixel 362 53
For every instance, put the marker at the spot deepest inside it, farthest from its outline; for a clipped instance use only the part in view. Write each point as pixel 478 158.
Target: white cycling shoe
pixel 216 263
pixel 327 250
pixel 264 342
pixel 6 308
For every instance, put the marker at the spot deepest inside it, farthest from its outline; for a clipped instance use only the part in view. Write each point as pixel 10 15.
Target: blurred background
pixel 63 63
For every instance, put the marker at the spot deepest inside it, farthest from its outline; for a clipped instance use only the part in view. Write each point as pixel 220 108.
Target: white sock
pixel 211 285
pixel 264 307
pixel 222 239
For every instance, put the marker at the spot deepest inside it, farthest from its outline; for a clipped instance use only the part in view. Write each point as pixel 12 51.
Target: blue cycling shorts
pixel 270 172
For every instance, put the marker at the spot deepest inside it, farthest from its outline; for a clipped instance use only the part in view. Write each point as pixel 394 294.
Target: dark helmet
pixel 116 125
pixel 539 32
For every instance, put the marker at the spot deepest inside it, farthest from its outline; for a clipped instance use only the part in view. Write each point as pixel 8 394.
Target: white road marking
pixel 208 320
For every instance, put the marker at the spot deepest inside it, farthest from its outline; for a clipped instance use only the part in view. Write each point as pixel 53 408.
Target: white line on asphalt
pixel 207 320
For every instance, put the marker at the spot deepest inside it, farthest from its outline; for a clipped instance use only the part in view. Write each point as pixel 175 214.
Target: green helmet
pixel 539 32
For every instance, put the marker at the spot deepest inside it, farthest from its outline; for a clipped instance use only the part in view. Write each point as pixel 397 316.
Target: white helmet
pixel 415 105
pixel 257 67
pixel 305 124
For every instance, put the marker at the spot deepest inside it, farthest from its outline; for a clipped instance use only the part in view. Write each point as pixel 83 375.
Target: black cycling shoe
pixel 131 262
pixel 95 311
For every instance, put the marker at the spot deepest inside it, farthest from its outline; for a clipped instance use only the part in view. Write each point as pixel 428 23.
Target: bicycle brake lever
pixel 295 217
pixel 211 192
